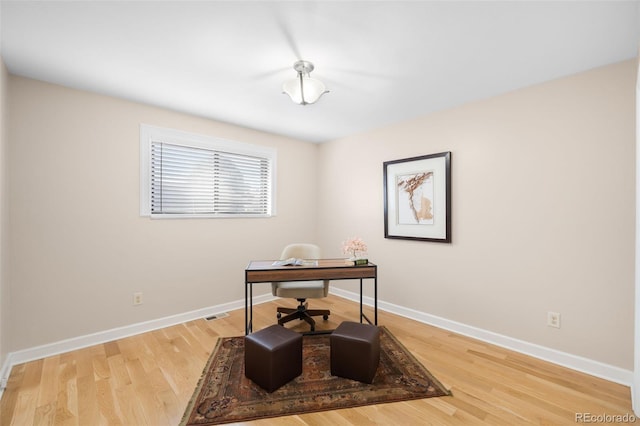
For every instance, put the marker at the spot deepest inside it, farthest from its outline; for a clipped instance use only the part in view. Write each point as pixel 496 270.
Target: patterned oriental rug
pixel 225 395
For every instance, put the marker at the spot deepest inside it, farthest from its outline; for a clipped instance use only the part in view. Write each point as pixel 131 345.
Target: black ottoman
pixel 355 351
pixel 272 356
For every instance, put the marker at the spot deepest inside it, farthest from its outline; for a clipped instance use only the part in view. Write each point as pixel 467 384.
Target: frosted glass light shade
pixel 304 90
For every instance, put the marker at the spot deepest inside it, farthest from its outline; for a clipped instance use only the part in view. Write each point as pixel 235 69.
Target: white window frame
pixel 150 134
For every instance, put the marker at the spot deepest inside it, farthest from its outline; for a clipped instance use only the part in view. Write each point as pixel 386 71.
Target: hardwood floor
pixel 149 378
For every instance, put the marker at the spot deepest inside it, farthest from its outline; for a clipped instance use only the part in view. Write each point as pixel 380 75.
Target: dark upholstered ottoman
pixel 272 356
pixel 355 351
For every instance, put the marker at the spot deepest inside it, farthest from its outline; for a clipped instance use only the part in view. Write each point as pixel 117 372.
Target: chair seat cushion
pixel 301 290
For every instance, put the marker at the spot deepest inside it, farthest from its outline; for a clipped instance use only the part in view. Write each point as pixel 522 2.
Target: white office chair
pixel 301 290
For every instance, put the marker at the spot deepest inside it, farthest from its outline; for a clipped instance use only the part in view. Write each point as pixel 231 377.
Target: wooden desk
pixel 263 271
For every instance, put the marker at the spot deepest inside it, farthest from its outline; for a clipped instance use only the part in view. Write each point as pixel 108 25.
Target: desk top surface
pixel 267 265
pixel 261 271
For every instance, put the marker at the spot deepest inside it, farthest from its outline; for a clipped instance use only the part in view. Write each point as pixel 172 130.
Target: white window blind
pixel 192 177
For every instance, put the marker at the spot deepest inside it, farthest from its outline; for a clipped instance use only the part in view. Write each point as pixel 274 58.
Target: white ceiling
pixel 383 61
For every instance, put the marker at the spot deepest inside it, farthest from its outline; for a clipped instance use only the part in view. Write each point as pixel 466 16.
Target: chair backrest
pixel 301 251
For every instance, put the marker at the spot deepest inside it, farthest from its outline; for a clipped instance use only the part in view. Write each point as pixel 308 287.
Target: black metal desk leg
pixel 375 298
pixel 250 308
pixel 246 308
pixel 361 314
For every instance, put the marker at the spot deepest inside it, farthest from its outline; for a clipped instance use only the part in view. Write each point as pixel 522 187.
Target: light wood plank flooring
pixel 148 379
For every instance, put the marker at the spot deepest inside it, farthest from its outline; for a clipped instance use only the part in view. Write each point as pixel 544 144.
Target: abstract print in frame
pixel 417 198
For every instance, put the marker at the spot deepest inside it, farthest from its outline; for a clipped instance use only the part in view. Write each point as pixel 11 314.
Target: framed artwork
pixel 417 198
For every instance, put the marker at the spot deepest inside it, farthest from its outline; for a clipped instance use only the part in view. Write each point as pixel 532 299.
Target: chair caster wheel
pixel 325 317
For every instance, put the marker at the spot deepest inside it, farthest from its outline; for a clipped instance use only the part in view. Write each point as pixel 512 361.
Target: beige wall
pixel 4 296
pixel 79 248
pixel 543 213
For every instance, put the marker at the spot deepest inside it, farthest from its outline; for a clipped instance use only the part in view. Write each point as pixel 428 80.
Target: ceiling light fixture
pixel 303 89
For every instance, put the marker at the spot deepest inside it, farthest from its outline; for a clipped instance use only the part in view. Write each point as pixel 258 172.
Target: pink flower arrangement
pixel 353 246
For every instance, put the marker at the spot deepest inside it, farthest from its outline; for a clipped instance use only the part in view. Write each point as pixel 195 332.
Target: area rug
pixel 225 395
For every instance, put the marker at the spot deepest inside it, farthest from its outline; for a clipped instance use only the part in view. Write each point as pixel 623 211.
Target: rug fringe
pixel 189 409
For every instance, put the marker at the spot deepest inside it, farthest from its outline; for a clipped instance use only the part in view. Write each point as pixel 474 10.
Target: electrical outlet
pixel 137 298
pixel 553 319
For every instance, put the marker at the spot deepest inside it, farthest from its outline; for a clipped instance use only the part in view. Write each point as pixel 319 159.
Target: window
pixel 187 175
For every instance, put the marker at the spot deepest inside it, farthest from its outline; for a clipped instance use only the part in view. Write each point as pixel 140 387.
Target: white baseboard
pixel 595 368
pixel 50 349
pixel 574 362
pixel 635 394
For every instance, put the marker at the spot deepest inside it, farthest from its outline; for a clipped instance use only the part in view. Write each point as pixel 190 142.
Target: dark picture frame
pixel 417 198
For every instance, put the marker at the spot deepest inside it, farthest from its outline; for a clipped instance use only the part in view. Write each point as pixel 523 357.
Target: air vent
pixel 217 316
